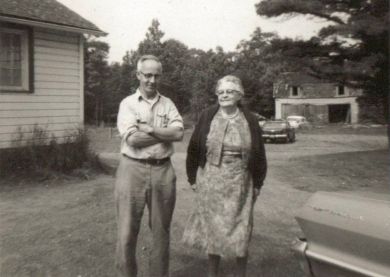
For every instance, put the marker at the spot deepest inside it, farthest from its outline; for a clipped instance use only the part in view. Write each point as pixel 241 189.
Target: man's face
pixel 149 77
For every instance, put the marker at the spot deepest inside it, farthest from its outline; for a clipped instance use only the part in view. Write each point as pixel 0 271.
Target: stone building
pixel 320 101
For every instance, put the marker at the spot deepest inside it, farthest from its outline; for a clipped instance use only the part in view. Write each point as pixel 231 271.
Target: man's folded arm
pixel 141 139
pixel 168 134
pixel 147 135
pixel 144 135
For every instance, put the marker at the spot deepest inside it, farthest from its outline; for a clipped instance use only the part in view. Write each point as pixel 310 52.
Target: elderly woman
pixel 226 166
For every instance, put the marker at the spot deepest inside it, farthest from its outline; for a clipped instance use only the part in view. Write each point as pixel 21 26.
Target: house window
pixel 340 90
pixel 294 91
pixel 14 60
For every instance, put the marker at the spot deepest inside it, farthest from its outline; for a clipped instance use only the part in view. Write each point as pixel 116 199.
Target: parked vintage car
pixel 278 130
pixel 297 121
pixel 346 234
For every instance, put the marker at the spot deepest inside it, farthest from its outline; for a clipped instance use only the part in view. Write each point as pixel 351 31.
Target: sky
pixel 203 24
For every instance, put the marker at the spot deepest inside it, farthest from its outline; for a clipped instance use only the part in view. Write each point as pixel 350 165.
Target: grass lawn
pixel 67 227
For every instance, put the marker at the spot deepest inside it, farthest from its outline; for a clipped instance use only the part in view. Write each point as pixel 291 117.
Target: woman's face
pixel 228 94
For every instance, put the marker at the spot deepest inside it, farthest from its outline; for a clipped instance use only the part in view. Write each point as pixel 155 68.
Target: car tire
pixel 292 139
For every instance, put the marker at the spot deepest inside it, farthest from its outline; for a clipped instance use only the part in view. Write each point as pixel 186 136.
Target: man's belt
pixel 150 161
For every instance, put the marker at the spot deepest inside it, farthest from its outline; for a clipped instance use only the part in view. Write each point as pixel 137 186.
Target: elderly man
pixel 148 123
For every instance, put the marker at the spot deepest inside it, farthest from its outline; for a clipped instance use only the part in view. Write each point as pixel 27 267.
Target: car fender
pixel 346 235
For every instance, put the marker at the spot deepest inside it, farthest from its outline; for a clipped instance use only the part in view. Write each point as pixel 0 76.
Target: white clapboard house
pixel 41 69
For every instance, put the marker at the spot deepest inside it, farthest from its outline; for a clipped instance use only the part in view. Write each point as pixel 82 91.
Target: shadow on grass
pixel 366 170
pixel 269 256
pixel 192 265
pixel 273 257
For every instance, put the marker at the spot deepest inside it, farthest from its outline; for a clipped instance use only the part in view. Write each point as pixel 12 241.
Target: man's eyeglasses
pixel 150 75
pixel 228 92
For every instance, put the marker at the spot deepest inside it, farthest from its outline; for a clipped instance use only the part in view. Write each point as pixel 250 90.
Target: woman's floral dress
pixel 222 220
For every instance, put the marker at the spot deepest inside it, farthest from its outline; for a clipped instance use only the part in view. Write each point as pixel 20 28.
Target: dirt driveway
pixel 67 228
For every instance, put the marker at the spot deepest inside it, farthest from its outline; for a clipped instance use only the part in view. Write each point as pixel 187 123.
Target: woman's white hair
pixel 231 79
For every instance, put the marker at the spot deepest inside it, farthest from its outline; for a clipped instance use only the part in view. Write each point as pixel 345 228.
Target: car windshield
pixel 275 125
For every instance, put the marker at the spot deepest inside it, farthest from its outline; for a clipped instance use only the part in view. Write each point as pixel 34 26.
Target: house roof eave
pixel 51 25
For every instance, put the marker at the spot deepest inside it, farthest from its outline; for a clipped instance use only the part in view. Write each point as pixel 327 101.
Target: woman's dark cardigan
pixel 196 152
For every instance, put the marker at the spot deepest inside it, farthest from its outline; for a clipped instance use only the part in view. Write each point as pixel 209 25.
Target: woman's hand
pixel 256 193
pixel 194 187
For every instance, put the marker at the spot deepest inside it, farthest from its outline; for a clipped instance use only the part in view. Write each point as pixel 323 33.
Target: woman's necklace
pixel 230 116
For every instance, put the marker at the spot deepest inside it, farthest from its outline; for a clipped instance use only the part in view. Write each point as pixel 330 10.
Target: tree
pixel 113 94
pixel 97 73
pixel 260 60
pixel 174 84
pixel 152 43
pixel 127 74
pixel 356 40
pixel 251 67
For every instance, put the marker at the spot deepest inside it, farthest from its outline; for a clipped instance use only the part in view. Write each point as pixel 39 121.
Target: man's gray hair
pixel 146 58
pixel 232 79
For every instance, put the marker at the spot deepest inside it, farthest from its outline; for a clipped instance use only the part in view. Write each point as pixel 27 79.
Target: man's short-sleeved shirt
pixel 158 112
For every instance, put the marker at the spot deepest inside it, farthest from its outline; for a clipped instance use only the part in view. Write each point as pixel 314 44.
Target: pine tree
pixel 355 43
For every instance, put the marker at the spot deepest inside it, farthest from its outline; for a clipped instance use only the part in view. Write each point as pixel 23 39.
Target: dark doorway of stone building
pixel 340 113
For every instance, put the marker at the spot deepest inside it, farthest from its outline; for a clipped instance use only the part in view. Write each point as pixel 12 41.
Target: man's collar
pixel 140 96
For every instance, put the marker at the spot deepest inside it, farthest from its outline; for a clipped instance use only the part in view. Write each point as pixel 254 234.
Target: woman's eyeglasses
pixel 228 92
pixel 150 75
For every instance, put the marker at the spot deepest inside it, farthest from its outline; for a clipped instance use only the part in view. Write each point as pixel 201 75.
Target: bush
pixel 373 109
pixel 38 154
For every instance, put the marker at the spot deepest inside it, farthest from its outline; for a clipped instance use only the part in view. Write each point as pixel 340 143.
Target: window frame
pixel 292 91
pixel 338 90
pixel 27 58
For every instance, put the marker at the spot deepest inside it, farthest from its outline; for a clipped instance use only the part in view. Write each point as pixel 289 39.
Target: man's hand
pixel 143 127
